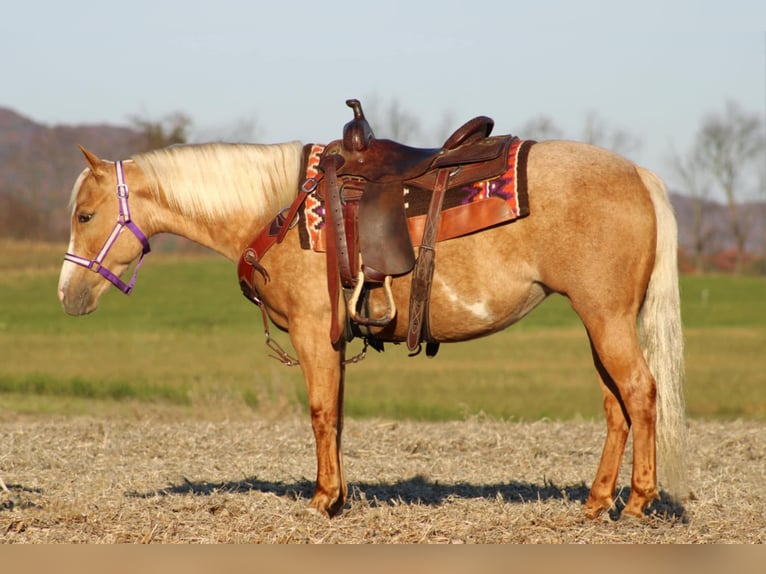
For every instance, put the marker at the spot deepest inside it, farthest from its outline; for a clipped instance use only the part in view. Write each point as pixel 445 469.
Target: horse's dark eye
pixel 84 217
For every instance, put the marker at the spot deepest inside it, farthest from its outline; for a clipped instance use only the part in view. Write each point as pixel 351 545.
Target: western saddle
pixel 364 183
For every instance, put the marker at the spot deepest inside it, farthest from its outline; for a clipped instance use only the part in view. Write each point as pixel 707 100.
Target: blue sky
pixel 653 69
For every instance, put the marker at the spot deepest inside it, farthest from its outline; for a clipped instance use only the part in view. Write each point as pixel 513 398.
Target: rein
pixel 123 221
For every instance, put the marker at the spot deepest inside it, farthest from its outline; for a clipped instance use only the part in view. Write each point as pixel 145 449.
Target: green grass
pixel 186 337
pixel 723 301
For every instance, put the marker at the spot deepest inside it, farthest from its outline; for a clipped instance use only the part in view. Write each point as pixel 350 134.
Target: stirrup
pixel 354 299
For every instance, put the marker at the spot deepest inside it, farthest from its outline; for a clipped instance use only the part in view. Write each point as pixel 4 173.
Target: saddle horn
pixel 357 134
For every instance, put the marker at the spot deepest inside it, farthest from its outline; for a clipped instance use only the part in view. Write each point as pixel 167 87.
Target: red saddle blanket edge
pixel 468 208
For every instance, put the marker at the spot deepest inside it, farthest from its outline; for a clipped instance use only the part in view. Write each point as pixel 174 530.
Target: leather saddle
pixel 364 187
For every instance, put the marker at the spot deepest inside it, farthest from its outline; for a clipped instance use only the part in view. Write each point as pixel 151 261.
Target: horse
pixel 601 232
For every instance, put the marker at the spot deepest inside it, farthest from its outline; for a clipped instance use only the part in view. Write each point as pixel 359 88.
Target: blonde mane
pixel 211 181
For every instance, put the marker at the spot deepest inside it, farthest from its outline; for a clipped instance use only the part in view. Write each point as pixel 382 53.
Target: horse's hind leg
pixel 629 402
pixel 617 429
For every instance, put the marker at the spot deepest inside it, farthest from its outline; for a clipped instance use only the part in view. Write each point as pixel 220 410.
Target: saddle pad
pixel 462 202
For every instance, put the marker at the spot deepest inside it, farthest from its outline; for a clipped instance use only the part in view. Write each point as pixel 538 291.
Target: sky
pixel 652 69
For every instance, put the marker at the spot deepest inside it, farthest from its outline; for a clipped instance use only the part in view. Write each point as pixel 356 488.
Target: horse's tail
pixel 662 341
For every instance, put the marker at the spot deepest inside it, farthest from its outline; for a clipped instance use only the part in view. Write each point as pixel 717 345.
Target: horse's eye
pixel 84 217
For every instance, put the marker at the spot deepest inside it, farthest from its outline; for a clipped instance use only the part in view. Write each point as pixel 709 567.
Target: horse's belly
pixel 463 306
pixel 458 313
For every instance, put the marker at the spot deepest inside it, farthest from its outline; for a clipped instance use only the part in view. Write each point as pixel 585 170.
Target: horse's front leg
pixel 324 373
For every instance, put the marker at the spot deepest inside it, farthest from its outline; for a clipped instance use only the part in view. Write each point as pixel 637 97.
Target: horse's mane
pixel 211 181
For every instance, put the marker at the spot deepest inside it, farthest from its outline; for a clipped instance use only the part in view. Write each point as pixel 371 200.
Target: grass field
pixel 187 339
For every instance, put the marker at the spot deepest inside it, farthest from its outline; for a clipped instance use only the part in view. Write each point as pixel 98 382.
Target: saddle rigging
pixel 364 182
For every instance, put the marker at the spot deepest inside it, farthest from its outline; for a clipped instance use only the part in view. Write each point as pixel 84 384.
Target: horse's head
pixel 99 249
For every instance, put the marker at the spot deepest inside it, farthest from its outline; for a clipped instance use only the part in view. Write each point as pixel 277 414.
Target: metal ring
pixel 309 185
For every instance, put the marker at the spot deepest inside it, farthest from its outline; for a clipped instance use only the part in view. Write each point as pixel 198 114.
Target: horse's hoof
pixel 633 513
pixel 596 508
pixel 318 506
pixel 336 508
pixel 594 513
pixel 326 507
pixel 637 502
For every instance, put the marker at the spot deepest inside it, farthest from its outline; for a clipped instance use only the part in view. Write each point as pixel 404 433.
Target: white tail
pixel 662 342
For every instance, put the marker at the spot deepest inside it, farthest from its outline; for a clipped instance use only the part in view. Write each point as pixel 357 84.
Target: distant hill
pixel 715 227
pixel 39 164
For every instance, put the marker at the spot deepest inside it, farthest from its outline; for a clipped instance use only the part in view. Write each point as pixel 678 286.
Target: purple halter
pixel 123 220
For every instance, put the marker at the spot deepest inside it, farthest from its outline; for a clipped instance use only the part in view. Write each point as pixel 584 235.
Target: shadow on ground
pixel 418 490
pixel 16 496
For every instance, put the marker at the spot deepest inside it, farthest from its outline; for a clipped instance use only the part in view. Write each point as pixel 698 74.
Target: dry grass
pixel 153 480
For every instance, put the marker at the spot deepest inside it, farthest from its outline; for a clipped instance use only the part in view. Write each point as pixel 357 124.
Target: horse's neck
pixel 227 236
pixel 240 190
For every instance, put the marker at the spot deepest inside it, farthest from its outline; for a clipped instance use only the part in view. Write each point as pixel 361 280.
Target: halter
pixel 123 220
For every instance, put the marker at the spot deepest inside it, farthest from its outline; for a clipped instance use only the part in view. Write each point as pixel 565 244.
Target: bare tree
pixel 399 124
pixel 541 128
pixel 392 121
pixel 242 130
pixel 170 130
pixel 695 186
pixel 730 147
pixel 597 132
pixel 447 125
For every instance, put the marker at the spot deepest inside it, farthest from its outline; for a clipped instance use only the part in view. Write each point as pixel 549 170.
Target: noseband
pixel 123 221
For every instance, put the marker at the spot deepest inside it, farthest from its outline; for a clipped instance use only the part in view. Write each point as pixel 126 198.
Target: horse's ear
pixel 94 162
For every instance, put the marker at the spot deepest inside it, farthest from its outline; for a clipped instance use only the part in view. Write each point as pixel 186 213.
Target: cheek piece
pixel 123 222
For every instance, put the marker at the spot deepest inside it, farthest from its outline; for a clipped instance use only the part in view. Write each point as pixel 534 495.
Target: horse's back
pixel 590 236
pixel 574 180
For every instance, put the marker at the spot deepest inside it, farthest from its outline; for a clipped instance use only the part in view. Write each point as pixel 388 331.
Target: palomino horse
pixel 601 232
